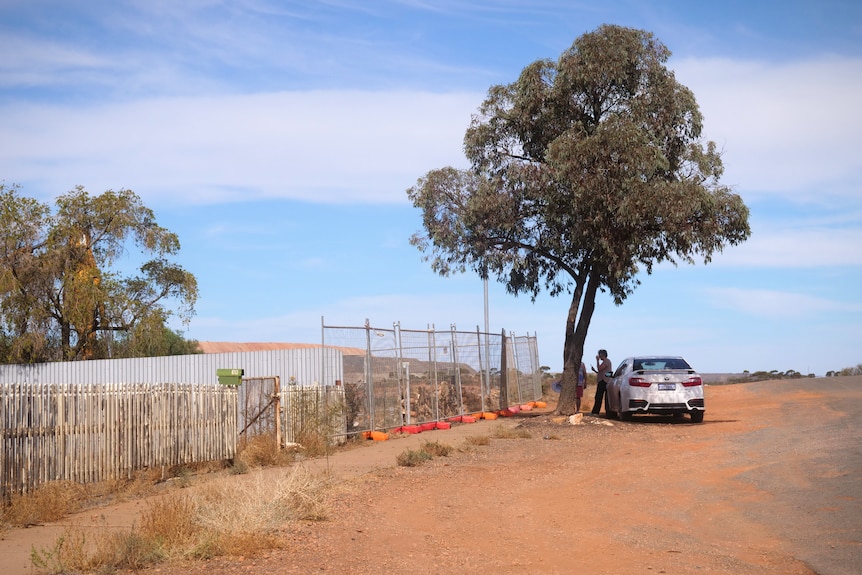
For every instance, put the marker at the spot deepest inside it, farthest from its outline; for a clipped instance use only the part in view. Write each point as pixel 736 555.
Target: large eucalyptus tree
pixel 584 172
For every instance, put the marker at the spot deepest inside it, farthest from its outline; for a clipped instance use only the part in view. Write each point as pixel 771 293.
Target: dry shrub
pixel 166 526
pixel 262 451
pixel 314 441
pixel 239 516
pixel 436 449
pixel 412 458
pixel 427 451
pixel 49 502
pixel 70 553
pixel 121 550
pixel 477 440
pixel 169 520
pixel 316 425
pixel 263 502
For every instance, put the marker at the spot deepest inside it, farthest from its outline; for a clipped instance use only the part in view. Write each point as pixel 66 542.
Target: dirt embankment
pixel 768 484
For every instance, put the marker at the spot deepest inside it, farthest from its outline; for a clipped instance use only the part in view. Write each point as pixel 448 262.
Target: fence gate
pixel 259 408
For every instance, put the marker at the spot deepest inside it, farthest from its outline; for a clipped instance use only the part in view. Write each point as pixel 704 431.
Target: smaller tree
pixel 61 297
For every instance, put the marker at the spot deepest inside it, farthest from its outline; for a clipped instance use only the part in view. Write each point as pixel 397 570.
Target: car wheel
pixel 608 412
pixel 625 415
pixel 696 416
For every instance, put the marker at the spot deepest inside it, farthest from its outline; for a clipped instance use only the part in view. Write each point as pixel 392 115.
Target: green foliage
pixel 768 376
pixel 857 370
pixel 60 296
pixel 584 172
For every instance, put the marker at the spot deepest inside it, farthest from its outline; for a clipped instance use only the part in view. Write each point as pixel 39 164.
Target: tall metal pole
pixel 487 343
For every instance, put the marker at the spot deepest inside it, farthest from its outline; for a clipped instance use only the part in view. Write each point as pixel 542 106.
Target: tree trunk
pixel 504 384
pixel 573 347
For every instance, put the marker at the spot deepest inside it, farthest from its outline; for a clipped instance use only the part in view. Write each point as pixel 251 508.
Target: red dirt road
pixel 768 484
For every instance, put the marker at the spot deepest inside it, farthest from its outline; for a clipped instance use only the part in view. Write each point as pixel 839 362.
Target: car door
pixel 614 387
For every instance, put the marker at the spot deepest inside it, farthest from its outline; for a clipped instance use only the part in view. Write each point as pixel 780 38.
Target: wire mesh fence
pixel 395 376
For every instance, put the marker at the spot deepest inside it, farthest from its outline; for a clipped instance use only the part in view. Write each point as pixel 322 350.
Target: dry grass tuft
pixel 412 458
pixel 477 440
pixel 427 451
pixel 436 449
pixel 511 433
pixel 50 502
pixel 230 516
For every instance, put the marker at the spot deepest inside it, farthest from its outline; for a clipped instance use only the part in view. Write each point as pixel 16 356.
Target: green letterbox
pixel 229 376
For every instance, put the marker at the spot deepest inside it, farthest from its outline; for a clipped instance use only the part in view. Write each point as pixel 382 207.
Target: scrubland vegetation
pixel 224 515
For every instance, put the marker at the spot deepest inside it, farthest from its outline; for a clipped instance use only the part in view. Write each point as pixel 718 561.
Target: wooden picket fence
pixel 98 432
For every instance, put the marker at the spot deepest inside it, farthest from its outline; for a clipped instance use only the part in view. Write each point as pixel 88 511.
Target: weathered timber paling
pixel 89 433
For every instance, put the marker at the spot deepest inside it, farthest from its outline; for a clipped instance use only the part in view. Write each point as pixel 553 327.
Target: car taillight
pixel 692 382
pixel 638 382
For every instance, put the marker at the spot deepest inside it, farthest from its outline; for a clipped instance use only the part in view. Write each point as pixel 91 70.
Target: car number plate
pixel 666 386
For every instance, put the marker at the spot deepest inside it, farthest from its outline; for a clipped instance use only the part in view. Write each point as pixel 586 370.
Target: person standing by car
pixel 582 383
pixel 602 369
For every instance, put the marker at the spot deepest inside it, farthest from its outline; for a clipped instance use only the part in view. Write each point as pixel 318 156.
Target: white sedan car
pixel 655 384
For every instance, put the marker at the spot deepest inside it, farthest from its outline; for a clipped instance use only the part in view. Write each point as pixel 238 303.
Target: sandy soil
pixel 768 484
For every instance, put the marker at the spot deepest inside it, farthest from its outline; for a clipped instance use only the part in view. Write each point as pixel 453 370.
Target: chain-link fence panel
pixel 371 374
pixel 395 377
pixel 527 371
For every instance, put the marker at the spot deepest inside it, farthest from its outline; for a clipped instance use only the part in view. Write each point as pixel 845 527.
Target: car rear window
pixel 660 363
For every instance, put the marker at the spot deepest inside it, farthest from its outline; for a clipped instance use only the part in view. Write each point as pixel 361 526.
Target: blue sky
pixel 278 139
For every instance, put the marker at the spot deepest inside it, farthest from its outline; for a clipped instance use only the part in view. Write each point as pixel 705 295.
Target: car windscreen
pixel 659 364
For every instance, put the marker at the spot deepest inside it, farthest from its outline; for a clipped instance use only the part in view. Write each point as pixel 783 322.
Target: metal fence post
pixel 369 386
pixel 455 366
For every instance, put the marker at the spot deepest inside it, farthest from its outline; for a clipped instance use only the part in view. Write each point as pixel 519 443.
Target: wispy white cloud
pixel 30 62
pixel 322 146
pixel 796 248
pixel 789 129
pixel 773 304
pixel 411 311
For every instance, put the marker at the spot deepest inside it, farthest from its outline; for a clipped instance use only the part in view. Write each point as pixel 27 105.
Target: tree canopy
pixel 60 296
pixel 584 172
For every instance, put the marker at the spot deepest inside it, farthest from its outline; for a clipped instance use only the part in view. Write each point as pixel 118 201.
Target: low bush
pixel 412 457
pixel 261 451
pixel 435 448
pixel 427 451
pixel 477 440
